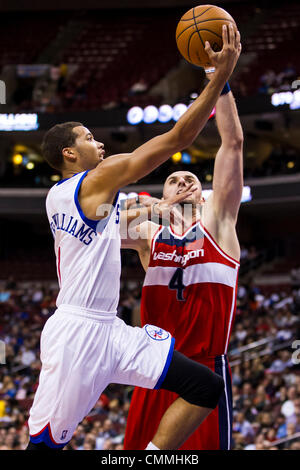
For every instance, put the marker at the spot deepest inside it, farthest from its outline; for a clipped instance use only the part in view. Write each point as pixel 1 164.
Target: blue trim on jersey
pixel 91 223
pixel 167 365
pixel 66 179
pixel 223 409
pixel 97 225
pixel 46 439
pixel 167 238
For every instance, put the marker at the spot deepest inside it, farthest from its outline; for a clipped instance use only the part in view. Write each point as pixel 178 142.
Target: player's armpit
pixel 139 236
pixel 222 229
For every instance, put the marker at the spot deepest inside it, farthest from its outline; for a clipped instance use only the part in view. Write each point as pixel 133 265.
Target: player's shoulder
pixel 148 229
pixel 140 236
pixel 65 188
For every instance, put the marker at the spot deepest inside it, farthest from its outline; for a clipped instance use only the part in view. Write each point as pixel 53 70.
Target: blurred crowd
pixel 266 379
pixel 271 82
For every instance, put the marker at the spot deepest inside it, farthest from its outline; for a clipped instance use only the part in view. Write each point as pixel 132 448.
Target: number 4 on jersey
pixel 176 283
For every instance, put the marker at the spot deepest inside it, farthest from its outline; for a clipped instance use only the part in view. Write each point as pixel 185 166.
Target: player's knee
pixel 215 388
pixel 194 382
pixel 207 388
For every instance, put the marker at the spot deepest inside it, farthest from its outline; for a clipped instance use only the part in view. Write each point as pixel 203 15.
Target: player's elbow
pixel 233 146
pixel 237 141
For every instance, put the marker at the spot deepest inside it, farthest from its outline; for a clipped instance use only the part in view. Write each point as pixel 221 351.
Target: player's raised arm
pixel 228 168
pixel 116 172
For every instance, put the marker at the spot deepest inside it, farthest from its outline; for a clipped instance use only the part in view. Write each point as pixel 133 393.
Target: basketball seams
pixel 203 21
pixel 197 16
pixel 210 31
pixel 197 29
pixel 188 49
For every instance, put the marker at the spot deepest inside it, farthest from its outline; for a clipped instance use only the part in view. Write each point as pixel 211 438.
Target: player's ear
pixel 68 154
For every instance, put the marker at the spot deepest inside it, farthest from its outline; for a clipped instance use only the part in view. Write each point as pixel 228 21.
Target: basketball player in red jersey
pixel 190 285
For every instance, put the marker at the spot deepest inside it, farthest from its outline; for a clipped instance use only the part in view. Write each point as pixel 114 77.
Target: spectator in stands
pixel 242 426
pixel 268 82
pixel 266 390
pixel 295 277
pixel 139 87
pixel 288 407
pixel 289 73
pixel 281 427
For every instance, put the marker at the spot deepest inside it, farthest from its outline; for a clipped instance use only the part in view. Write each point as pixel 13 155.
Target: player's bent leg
pixel 74 373
pixel 192 381
pixel 147 359
pixel 200 390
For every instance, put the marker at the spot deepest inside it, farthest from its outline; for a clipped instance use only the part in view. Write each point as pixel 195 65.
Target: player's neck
pixel 181 225
pixel 68 173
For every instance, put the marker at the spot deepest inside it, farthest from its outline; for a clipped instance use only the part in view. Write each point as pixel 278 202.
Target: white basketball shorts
pixel 82 352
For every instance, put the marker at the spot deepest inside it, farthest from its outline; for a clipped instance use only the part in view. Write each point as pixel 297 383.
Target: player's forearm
pixel 135 216
pixel 228 122
pixel 228 168
pixel 194 119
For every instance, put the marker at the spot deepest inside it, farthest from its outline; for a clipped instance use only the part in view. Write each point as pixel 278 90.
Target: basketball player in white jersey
pixel 84 346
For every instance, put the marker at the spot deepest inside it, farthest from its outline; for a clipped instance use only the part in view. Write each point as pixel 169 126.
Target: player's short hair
pixel 55 140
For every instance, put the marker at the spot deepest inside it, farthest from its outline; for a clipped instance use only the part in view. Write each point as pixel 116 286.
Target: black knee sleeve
pixel 193 382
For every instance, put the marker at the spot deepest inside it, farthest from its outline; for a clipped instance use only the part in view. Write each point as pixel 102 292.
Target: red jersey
pixel 190 290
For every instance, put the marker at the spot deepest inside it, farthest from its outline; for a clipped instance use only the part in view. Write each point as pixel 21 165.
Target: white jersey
pixel 87 251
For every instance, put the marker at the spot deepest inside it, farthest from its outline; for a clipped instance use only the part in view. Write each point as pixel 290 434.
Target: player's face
pixel 90 152
pixel 178 181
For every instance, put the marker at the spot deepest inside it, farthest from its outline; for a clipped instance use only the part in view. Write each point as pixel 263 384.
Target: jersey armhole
pixel 97 225
pixel 154 237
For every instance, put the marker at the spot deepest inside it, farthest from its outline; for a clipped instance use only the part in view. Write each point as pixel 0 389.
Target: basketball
pixel 200 24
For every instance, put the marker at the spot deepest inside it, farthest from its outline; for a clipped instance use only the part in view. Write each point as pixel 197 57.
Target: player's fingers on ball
pixel 237 38
pixel 208 49
pixel 225 35
pixel 231 35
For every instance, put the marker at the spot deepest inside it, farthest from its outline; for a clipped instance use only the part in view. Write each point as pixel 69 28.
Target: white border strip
pixel 231 316
pixel 227 403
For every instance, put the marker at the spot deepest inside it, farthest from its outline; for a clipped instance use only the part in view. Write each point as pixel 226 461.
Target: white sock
pixel 151 446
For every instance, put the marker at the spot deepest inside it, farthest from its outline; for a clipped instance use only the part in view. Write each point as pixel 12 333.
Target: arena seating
pixel 273 42
pixel 22 39
pixel 115 52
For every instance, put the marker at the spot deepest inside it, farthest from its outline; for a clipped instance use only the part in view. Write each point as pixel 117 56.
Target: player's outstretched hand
pixel 225 60
pixel 167 207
